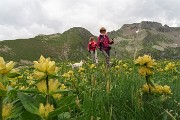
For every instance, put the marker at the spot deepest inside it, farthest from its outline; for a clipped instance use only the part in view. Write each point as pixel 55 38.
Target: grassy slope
pixel 24 49
pixel 53 46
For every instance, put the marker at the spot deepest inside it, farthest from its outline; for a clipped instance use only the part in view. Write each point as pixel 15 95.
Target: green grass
pixel 105 94
pixel 125 101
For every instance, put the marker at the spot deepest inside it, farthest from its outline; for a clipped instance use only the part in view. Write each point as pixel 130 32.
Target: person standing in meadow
pixel 104 45
pixel 92 46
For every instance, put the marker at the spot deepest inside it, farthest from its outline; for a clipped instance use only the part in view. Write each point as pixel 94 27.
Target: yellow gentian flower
pixel 145 88
pixel 70 73
pixel 159 89
pixel 63 87
pixel 45 65
pixel 38 74
pixel 117 67
pixel 145 60
pixel 41 86
pixel 170 66
pixel 6 110
pixel 66 75
pixel 143 70
pixel 2 87
pixel 45 110
pixel 81 70
pixel 167 89
pixel 92 66
pixel 57 96
pixel 6 67
pixel 53 85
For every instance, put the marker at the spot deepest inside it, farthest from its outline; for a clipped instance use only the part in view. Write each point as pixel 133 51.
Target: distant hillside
pixel 131 40
pixel 147 38
pixel 69 45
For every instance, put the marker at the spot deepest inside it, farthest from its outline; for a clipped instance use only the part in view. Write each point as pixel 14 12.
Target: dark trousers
pixel 106 54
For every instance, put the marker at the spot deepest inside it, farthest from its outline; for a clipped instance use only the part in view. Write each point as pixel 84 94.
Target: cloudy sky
pixel 28 18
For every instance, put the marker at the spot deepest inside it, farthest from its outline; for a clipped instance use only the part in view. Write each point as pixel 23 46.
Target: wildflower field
pixel 141 89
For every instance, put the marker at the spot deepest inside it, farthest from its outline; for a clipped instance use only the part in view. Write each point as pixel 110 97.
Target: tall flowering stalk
pixel 44 67
pixel 5 68
pixel 146 64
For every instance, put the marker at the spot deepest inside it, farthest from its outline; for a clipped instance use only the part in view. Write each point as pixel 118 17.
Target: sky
pixel 28 18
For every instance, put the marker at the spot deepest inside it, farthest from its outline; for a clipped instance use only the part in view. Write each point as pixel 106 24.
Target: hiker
pixel 92 45
pixel 103 43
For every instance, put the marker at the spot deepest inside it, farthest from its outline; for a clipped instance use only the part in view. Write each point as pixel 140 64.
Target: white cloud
pixel 42 29
pixel 27 18
pixel 10 32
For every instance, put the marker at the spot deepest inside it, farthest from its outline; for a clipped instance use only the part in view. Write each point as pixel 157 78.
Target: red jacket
pixel 103 42
pixel 92 45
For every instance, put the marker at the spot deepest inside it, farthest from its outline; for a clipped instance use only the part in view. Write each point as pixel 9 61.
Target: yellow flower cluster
pixel 145 60
pixel 170 66
pixel 45 110
pixel 125 65
pixel 159 89
pixel 6 67
pixel 146 63
pixel 117 67
pixel 53 86
pixel 45 65
pixel 66 75
pixel 23 87
pixel 6 110
pixel 69 74
pixel 57 96
pixel 63 87
pixel 92 66
pixel 159 69
pixel 144 71
pixel 167 89
pixel 81 70
pixel 38 74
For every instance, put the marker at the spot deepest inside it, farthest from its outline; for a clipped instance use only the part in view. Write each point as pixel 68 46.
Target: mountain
pixel 160 41
pixel 69 45
pixel 131 40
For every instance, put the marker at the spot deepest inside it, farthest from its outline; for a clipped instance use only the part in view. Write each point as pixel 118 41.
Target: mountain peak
pixel 154 25
pixel 148 25
pixel 77 29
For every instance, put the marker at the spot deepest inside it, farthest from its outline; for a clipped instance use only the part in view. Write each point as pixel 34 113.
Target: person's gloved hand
pixel 112 41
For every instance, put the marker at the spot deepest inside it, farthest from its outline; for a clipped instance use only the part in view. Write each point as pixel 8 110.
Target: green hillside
pixel 69 45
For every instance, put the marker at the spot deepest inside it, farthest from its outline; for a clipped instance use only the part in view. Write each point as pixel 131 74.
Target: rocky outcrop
pixel 154 25
pixel 148 25
pixel 131 26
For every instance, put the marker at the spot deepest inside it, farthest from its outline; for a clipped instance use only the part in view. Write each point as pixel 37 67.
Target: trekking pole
pixel 114 50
